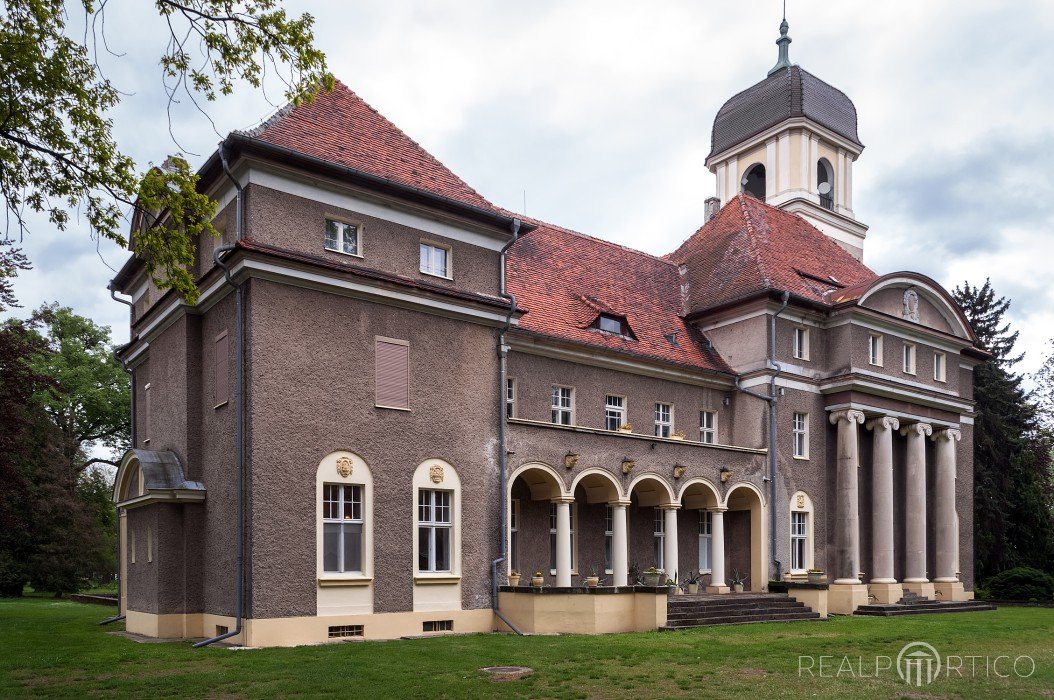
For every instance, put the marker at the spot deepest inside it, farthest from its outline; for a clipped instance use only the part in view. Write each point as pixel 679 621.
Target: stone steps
pixel 924 607
pixel 697 611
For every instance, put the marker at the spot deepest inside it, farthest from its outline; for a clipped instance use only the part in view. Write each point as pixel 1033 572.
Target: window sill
pixel 220 405
pixel 433 274
pixel 436 579
pixel 344 580
pixel 392 408
pixel 801 459
pixel 341 252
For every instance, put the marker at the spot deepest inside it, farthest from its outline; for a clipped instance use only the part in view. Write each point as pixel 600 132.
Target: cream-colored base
pixel 845 598
pixel 574 613
pixel 718 589
pixel 886 593
pixel 921 589
pixel 814 599
pixel 949 591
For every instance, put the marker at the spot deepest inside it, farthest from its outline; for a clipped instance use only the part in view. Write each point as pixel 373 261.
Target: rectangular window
pixel 392 366
pixel 909 358
pixel 663 420
pixel 146 414
pixel 614 412
pixel 706 524
pixel 435 260
pixel 219 371
pixel 938 367
pixel 342 511
pixel 131 545
pixel 342 237
pixel 563 408
pixel 149 544
pixel 437 626
pixel 510 398
pixel 434 530
pixel 610 324
pixel 552 536
pixel 659 534
pixel 514 534
pixel 708 427
pixel 609 537
pixel 799 538
pixel 801 343
pixel 801 435
pixel 874 349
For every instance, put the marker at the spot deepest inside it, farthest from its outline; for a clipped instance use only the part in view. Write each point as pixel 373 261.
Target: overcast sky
pixel 601 112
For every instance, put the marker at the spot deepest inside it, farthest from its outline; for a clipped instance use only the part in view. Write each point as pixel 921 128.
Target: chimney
pixel 711 206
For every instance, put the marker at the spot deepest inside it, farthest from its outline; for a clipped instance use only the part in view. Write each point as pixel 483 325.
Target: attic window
pixel 614 325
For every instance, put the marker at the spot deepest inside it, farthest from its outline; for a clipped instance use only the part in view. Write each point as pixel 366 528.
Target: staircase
pixel 685 611
pixel 913 604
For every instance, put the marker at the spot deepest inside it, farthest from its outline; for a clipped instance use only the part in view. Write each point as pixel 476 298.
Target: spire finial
pixel 784 43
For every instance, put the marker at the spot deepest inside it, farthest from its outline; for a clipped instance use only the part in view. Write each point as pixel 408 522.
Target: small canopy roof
pixel 151 476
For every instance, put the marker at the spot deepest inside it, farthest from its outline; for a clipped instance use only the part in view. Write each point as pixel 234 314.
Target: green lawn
pixel 55 648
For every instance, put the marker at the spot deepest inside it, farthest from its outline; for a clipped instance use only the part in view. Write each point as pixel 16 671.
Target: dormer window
pixel 611 324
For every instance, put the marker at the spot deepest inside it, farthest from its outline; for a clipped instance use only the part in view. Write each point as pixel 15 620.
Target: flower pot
pixel 693 588
pixel 592 581
pixel 514 580
pixel 537 581
pixel 737 587
pixel 652 579
pixel 815 576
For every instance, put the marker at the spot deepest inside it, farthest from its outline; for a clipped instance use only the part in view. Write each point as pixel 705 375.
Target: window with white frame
pixel 563 406
pixel 708 427
pixel 706 540
pixel 510 398
pixel 939 371
pixel 614 412
pixel 342 521
pixel 552 536
pixel 801 435
pixel 659 535
pixel 799 540
pixel 342 237
pixel 514 534
pixel 663 420
pixel 435 260
pixel 609 537
pixel 909 358
pixel 801 343
pixel 874 349
pixel 434 530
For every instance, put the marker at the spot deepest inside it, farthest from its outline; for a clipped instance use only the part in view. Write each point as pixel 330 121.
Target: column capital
pixel 620 503
pixel 850 415
pixel 885 423
pixel 562 499
pixel 669 506
pixel 917 429
pixel 718 509
pixel 949 434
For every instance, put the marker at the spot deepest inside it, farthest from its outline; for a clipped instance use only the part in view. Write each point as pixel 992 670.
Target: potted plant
pixel 537 580
pixel 593 579
pixel 678 435
pixel 815 575
pixel 672 585
pixel 514 578
pixel 652 576
pixel 626 428
pixel 691 584
pixel 738 579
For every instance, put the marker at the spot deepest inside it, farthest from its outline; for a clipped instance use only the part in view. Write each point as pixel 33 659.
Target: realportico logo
pixel 918 664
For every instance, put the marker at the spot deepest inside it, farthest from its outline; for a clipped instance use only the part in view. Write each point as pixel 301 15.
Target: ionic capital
pixel 949 434
pixel 917 429
pixel 620 503
pixel 669 506
pixel 562 500
pixel 849 415
pixel 885 423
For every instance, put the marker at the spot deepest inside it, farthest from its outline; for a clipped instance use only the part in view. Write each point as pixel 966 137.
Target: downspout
pixel 239 403
pixel 772 399
pixel 503 353
pixel 131 407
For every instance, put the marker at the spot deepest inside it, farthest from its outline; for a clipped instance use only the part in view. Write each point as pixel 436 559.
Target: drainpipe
pixel 772 399
pixel 239 403
pixel 503 353
pixel 131 405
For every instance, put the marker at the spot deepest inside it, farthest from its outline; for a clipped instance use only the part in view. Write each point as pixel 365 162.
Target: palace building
pixel 392 394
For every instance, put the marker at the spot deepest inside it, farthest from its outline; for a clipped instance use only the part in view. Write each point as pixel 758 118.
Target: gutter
pixel 239 407
pixel 773 400
pixel 503 354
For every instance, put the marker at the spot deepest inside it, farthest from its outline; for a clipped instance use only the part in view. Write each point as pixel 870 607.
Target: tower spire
pixel 784 43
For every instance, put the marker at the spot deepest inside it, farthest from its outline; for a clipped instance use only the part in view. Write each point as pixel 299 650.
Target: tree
pixel 1013 524
pixel 57 149
pixel 1044 392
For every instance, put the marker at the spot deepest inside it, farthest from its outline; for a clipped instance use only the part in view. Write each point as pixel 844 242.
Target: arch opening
pixel 825 183
pixel 746 546
pixel 754 182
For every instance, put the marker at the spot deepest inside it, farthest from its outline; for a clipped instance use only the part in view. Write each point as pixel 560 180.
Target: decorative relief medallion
pixel 801 500
pixel 435 473
pixel 345 467
pixel 911 304
pixel 678 471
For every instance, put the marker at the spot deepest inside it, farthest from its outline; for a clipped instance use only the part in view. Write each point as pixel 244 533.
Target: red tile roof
pixel 341 128
pixel 750 247
pixel 565 280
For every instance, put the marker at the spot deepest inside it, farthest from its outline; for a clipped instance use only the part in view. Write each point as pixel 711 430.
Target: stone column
pixel 619 544
pixel 669 540
pixel 946 581
pixel 846 594
pixel 915 578
pixel 563 541
pixel 883 585
pixel 717 552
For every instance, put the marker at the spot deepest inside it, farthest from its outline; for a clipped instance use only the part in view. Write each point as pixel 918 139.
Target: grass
pixel 55 648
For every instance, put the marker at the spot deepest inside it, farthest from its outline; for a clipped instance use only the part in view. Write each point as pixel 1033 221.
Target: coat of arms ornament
pixel 435 473
pixel 911 304
pixel 345 467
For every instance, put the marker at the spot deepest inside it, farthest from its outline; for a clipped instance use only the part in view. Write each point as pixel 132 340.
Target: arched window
pixel 801 533
pixel 437 522
pixel 344 502
pixel 754 182
pixel 825 183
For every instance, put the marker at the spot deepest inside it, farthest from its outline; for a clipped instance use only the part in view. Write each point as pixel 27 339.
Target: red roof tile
pixel 341 128
pixel 750 247
pixel 565 280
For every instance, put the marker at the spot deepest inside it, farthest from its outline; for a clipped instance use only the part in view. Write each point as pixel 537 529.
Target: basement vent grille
pixel 221 629
pixel 340 631
pixel 438 625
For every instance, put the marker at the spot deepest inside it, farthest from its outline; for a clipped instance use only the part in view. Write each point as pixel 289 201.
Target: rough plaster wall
pixel 744 343
pixel 891 301
pixel 142 576
pixel 737 545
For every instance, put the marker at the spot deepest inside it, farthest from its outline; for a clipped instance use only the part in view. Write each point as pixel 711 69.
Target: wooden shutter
pixel 219 371
pixel 393 373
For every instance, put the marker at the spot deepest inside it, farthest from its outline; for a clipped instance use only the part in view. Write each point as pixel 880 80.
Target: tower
pixel 791 140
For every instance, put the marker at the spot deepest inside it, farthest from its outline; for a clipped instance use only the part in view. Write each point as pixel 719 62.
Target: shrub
pixel 1021 583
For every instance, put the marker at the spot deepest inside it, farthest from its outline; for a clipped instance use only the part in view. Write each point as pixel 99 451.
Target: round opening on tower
pixel 825 183
pixel 754 182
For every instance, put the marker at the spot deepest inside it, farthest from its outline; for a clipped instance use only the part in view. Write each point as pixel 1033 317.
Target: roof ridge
pixel 564 229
